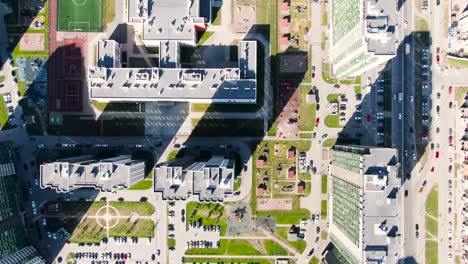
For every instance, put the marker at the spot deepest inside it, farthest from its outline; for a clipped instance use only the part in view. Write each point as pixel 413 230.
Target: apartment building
pixel 364 219
pixel 362 35
pixel 87 171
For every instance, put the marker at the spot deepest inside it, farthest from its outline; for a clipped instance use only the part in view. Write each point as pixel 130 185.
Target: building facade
pixel 364 219
pixel 362 35
pixel 211 180
pixel 13 236
pixel 89 172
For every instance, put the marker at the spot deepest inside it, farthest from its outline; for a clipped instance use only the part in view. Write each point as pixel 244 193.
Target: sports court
pixel 66 76
pixel 80 15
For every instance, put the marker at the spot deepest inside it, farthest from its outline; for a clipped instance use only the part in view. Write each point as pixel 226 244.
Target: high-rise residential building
pixel 364 219
pixel 211 180
pixel 362 35
pixel 13 239
pixel 90 172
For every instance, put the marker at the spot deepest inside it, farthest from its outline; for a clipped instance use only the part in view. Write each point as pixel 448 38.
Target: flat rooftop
pixel 380 26
pixel 86 171
pixel 380 206
pixel 179 84
pixel 169 20
pixel 211 180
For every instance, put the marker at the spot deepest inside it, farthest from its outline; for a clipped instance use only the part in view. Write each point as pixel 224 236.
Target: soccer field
pixel 79 15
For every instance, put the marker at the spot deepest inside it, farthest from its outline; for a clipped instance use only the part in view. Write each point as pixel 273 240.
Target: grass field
pixel 432 226
pixel 208 214
pixel 142 185
pixel 127 208
pixel 432 202
pixel 329 142
pixel 324 209
pixel 139 228
pixel 227 247
pixel 332 121
pixel 299 245
pixel 457 62
pixel 274 249
pixel 3 113
pixel 80 15
pixel 324 187
pixel 306 111
pixel 432 252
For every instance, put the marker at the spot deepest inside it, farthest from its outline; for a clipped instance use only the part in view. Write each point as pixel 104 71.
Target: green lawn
pixel 299 245
pixel 127 208
pixel 324 40
pixel 142 185
pixel 87 17
pixel 432 252
pixel 237 183
pixel 324 235
pixel 2 78
pixel 432 226
pixel 274 249
pixel 204 37
pixel 324 184
pixel 109 11
pixel 139 228
pixel 460 93
pixel 314 260
pixel 326 74
pixel 193 260
pixel 305 135
pixel 306 111
pixel 333 98
pixel 324 209
pixel 421 24
pixel 457 62
pixel 171 243
pixel 3 113
pixel 329 142
pixel 332 121
pixel 324 16
pixel 432 201
pixel 227 247
pixel 208 214
pixel 216 12
pixel 292 217
pixel 357 89
pixel 173 155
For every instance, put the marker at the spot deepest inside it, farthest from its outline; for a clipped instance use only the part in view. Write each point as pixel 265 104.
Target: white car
pixel 40 146
pixel 399 116
pixel 411 99
pixel 36 182
pixel 414 156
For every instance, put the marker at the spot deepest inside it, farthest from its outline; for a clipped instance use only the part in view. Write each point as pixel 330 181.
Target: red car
pixel 317 121
pixel 432 169
pixel 368 118
pixel 313 75
pixel 437 154
pixel 437 58
pixel 450 90
pixel 421 189
pixel 336 86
